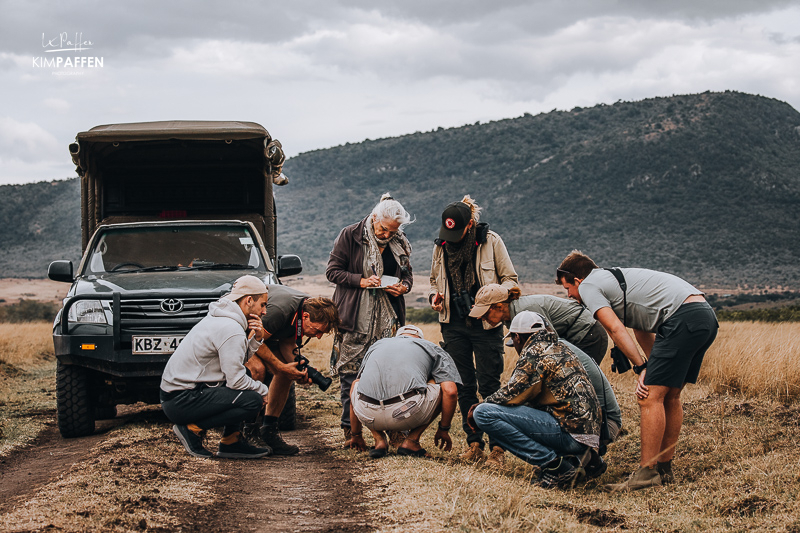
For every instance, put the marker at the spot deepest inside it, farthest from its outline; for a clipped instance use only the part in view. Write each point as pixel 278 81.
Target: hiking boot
pixel 561 472
pixel 272 438
pixel 474 454
pixel 235 446
pixel 496 459
pixel 192 441
pixel 595 467
pixel 665 471
pixel 644 477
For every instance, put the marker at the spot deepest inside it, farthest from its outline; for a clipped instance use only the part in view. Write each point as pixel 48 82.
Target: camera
pixel 619 363
pixel 462 304
pixel 317 378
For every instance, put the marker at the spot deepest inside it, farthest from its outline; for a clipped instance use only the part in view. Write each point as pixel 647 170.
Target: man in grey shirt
pixel 674 326
pixel 404 382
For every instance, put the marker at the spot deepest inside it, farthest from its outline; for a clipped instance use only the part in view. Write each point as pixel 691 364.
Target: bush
pixel 780 314
pixel 28 311
pixel 423 315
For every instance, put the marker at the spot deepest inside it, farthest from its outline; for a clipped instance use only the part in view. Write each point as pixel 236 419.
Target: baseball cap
pixel 525 322
pixel 246 286
pixel 488 295
pixel 455 218
pixel 410 329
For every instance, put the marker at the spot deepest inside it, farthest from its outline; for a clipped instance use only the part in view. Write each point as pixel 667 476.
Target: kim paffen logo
pixel 65 52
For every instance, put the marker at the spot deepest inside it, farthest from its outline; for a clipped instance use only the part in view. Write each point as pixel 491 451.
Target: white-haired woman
pixel 363 253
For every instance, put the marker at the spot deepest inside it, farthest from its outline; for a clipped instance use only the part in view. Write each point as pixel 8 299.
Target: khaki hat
pixel 410 329
pixel 488 295
pixel 524 323
pixel 246 286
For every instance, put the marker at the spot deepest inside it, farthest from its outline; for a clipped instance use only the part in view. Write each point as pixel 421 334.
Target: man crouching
pixel 403 384
pixel 548 413
pixel 205 383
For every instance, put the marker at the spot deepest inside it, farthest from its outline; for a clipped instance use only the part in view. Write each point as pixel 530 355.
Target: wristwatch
pixel 444 428
pixel 637 369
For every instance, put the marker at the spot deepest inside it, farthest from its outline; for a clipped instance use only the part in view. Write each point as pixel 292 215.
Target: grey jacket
pixel 214 353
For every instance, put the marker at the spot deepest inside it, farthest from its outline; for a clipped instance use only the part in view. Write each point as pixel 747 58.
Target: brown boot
pixel 496 459
pixel 474 454
pixel 646 476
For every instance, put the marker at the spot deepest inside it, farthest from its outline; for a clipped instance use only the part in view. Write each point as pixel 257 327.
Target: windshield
pixel 152 249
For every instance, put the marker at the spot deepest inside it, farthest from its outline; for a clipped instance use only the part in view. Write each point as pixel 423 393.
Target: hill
pixel 705 186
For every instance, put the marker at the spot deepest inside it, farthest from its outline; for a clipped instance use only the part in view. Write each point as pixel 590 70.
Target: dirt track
pixel 313 491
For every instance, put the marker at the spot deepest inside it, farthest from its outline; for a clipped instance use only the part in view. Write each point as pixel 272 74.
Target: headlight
pixel 90 311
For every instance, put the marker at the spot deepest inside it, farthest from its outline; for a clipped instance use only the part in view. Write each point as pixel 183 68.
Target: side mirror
pixel 289 265
pixel 60 271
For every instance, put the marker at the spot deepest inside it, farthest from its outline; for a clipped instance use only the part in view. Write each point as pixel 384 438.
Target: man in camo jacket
pixel 548 413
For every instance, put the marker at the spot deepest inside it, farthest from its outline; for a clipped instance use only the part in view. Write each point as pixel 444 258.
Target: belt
pixel 398 398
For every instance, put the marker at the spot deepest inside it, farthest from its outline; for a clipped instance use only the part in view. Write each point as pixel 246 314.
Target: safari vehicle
pixel 171 214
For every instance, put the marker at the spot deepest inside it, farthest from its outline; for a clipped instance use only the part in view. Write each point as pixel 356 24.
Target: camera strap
pixel 298 335
pixel 617 273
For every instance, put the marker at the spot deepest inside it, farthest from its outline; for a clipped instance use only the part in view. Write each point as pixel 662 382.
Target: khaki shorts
pixel 411 413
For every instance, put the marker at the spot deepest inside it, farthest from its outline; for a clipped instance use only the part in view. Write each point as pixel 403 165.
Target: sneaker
pixel 595 466
pixel 643 478
pixel 272 438
pixel 474 454
pixel 241 449
pixel 192 441
pixel 562 472
pixel 665 471
pixel 497 458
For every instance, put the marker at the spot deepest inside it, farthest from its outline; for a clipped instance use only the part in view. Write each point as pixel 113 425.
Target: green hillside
pixel 705 186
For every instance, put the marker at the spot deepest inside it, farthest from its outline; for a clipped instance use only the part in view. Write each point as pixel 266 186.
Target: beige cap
pixel 488 295
pixel 410 329
pixel 246 286
pixel 525 322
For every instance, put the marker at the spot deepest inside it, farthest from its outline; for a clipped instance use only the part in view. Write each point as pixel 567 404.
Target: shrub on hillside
pixel 28 311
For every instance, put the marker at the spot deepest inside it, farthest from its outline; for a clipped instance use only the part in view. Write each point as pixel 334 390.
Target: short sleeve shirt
pixel 397 365
pixel 569 318
pixel 282 305
pixel 652 296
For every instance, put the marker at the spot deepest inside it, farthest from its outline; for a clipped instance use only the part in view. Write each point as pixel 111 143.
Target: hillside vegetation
pixel 705 186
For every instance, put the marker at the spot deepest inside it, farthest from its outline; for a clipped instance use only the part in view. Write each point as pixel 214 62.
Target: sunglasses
pixel 561 272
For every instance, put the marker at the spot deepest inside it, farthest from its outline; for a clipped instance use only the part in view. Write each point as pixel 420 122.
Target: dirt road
pixel 313 491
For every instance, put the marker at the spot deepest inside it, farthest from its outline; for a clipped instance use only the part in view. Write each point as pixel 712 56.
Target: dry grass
pixel 736 463
pixel 25 345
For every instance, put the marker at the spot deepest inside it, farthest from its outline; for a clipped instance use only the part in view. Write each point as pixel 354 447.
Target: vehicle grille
pixel 146 315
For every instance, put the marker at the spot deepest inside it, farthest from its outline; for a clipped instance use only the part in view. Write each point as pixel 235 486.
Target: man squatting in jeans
pixel 403 384
pixel 205 383
pixel 673 324
pixel 548 413
pixel 286 306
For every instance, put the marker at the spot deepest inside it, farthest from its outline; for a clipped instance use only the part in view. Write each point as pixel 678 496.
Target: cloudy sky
pixel 321 73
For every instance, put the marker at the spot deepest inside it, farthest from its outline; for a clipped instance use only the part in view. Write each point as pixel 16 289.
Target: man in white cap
pixel 548 413
pixel 403 384
pixel 205 383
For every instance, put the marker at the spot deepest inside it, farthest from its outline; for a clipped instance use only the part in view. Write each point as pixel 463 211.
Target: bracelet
pixel 444 428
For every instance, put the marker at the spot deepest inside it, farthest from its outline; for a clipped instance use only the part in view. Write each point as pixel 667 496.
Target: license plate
pixel 155 345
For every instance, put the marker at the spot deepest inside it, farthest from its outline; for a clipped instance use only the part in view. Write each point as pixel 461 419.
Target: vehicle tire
pixel 105 412
pixel 288 419
pixel 75 410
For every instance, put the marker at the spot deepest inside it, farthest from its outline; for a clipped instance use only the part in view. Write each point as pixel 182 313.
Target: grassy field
pixel 737 463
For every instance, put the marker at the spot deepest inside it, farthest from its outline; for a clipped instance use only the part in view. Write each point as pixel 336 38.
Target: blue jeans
pixel 532 435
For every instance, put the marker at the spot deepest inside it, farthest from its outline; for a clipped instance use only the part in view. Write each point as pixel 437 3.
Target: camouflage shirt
pixel 549 377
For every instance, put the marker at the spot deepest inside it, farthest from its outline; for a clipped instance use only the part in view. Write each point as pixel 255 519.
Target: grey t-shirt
pixel 282 305
pixel 397 365
pixel 652 296
pixel 605 394
pixel 569 318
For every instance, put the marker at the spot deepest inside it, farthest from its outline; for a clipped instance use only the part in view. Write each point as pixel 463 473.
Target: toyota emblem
pixel 450 223
pixel 171 306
